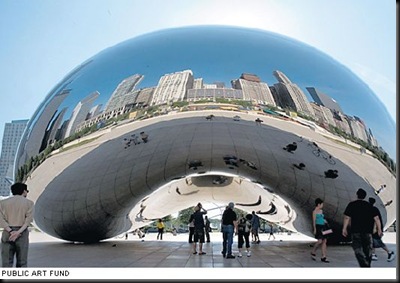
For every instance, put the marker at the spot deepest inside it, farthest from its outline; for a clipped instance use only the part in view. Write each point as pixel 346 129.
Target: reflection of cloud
pixel 383 87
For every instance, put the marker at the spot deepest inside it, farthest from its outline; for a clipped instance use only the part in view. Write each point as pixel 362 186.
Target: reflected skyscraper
pixel 291 95
pixel 80 112
pixel 324 115
pixel 38 134
pixel 324 100
pixel 253 89
pixel 173 87
pixel 54 130
pixel 201 136
pixel 358 128
pixel 123 94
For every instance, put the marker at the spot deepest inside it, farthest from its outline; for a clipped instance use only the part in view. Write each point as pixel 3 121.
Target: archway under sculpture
pixel 98 187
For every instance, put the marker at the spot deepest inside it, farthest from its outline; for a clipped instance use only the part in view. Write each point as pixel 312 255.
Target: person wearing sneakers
pixel 361 216
pixel 198 236
pixel 319 221
pixel 376 239
pixel 244 227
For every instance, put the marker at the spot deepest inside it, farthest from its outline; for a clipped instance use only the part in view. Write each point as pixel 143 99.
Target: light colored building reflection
pixel 92 177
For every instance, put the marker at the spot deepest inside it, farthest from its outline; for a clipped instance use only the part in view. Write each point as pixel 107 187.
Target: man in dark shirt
pixel 229 227
pixel 360 215
pixel 197 218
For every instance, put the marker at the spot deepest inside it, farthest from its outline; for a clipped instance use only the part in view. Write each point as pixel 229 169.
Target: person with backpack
pixel 244 228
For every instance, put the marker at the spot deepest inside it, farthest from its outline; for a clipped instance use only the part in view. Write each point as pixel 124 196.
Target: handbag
pixel 326 230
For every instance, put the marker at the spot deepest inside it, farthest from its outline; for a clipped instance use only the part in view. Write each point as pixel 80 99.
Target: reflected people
pixel 144 116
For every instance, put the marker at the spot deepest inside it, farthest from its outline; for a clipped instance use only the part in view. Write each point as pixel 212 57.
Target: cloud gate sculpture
pixel 214 114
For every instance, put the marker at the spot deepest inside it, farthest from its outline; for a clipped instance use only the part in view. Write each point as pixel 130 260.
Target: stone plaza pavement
pixel 286 252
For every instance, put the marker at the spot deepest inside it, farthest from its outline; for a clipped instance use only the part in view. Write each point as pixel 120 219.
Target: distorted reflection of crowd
pixel 135 139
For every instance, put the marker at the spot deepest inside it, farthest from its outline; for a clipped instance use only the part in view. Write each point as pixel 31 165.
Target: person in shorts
pixel 199 235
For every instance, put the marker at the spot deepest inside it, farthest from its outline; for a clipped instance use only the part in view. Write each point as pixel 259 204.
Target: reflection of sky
pixel 223 54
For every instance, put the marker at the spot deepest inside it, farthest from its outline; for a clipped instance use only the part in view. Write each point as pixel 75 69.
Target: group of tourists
pixel 361 218
pixel 364 222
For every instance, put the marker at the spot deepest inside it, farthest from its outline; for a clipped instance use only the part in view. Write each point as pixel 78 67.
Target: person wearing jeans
pixel 228 228
pixel 362 217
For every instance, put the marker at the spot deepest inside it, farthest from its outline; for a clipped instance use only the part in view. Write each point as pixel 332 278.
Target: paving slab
pixel 286 257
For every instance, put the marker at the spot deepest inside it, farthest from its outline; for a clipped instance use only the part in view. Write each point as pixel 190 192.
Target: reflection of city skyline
pixel 217 57
pixel 183 86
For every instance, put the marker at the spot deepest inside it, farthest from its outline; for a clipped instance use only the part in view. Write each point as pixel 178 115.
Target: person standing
pixel 207 228
pixel 271 231
pixel 160 227
pixel 244 227
pixel 191 229
pixel 376 239
pixel 229 226
pixel 361 216
pixel 255 225
pixel 318 221
pixel 197 218
pixel 16 214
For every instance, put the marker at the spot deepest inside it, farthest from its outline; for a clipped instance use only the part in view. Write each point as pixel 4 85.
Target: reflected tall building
pixel 372 140
pixel 122 95
pixel 53 132
pixel 80 112
pixel 104 185
pixel 253 89
pixel 323 115
pixel 341 121
pixel 172 87
pixel 12 135
pixel 198 83
pixel 358 128
pixel 144 96
pixel 290 95
pixel 323 99
pixel 96 110
pixel 35 135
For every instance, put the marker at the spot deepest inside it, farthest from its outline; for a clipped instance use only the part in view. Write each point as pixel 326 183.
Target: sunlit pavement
pixel 174 251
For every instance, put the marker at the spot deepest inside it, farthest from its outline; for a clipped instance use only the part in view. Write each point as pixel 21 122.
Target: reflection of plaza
pixel 118 178
pixel 182 86
pixel 92 173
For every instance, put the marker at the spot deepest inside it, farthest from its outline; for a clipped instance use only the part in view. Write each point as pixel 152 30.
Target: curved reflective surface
pixel 196 92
